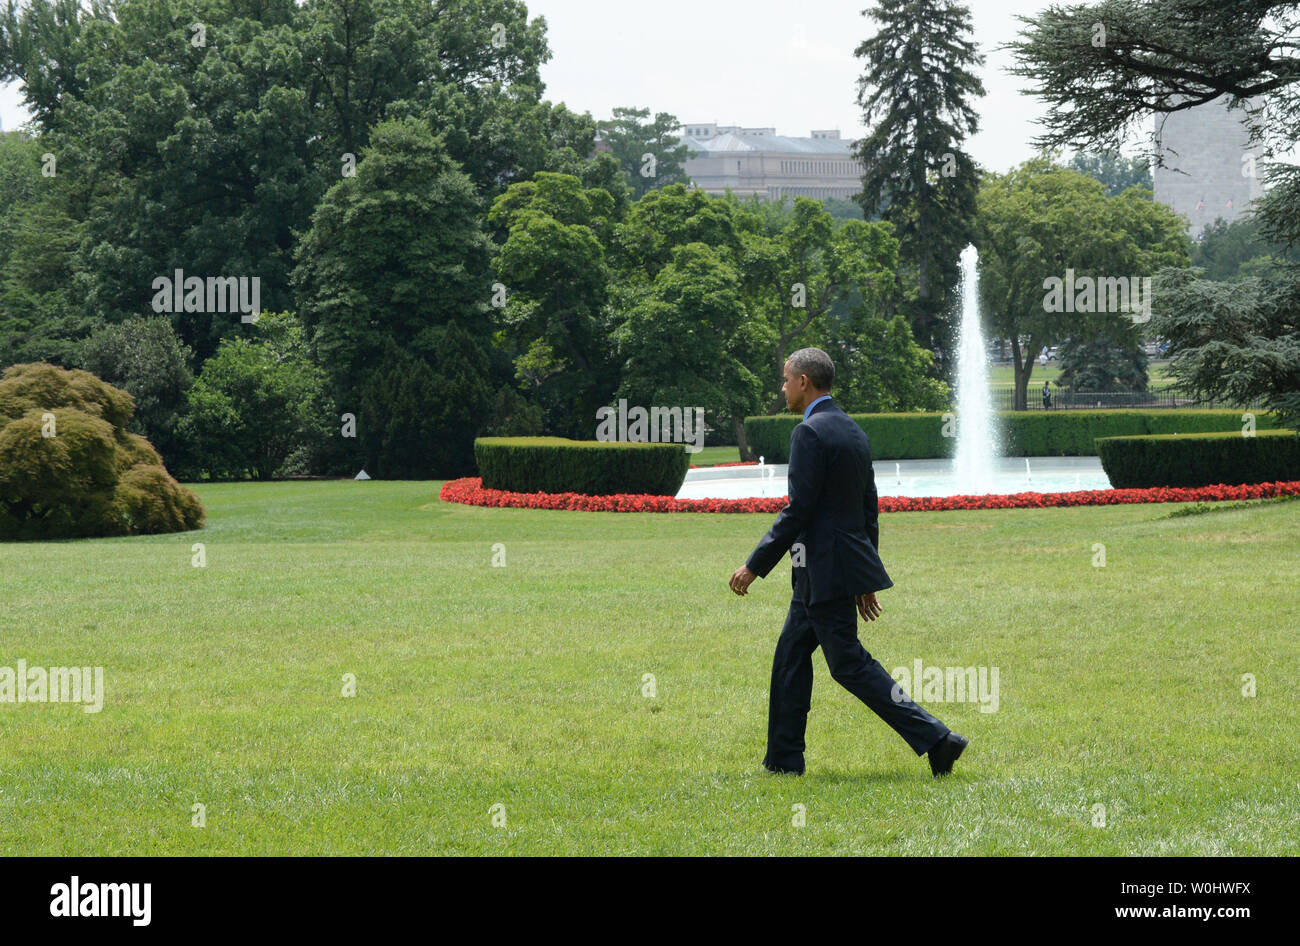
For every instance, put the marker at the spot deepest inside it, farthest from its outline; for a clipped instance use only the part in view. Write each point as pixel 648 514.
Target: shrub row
pixel 1023 433
pixel 591 467
pixel 1200 460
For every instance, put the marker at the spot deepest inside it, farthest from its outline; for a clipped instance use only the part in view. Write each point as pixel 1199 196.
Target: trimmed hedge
pixel 918 436
pixel 591 467
pixel 1200 460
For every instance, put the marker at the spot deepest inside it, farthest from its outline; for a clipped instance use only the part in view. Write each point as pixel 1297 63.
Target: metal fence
pixel 1004 399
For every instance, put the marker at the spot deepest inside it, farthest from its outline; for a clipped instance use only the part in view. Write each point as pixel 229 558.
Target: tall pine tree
pixel 916 97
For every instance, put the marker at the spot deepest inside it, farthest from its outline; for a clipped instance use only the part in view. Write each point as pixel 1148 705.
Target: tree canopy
pixel 1103 68
pixel 1044 222
pixel 918 102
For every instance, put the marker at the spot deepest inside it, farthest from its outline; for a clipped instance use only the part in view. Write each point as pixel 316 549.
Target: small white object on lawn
pixel 363 475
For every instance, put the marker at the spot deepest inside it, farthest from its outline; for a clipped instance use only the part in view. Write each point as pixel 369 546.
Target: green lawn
pixel 1003 375
pixel 712 455
pixel 520 685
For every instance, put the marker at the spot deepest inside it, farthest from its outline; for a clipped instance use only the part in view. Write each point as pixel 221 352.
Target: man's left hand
pixel 740 581
pixel 869 606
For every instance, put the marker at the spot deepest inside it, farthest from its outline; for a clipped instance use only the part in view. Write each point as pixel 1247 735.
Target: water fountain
pixel 975 469
pixel 976 431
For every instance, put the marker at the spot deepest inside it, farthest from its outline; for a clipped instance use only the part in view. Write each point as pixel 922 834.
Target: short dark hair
pixel 816 364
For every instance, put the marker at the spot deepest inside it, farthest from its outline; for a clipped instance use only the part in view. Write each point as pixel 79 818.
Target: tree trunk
pixel 1021 375
pixel 1024 367
pixel 738 425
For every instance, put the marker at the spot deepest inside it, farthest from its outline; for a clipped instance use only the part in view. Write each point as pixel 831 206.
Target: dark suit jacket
pixel 833 511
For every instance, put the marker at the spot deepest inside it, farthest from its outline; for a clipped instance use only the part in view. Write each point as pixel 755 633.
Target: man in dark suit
pixel 830 529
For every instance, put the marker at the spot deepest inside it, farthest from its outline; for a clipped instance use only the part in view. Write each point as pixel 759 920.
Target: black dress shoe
pixel 945 753
pixel 777 770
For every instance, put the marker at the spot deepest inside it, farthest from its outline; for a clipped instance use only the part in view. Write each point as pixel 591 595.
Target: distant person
pixel 1047 397
pixel 830 527
pixel 1042 357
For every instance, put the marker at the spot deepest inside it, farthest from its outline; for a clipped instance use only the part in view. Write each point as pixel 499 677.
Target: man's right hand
pixel 741 580
pixel 868 606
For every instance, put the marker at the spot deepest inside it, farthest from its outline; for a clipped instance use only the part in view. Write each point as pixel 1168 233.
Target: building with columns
pixel 759 161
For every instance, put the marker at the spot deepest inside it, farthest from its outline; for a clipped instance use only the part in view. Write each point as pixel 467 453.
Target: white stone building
pixel 759 161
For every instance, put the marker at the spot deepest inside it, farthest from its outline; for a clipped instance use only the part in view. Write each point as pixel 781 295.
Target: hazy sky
pixel 746 62
pixel 761 63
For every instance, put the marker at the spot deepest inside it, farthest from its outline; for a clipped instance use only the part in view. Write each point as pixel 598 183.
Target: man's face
pixel 795 389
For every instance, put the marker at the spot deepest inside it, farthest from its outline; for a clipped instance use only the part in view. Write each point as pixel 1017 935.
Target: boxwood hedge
pixel 592 467
pixel 919 436
pixel 1201 459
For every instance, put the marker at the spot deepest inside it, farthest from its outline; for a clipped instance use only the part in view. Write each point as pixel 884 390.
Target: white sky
pixel 746 62
pixel 761 63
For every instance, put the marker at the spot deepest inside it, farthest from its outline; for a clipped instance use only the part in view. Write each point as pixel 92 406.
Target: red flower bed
pixel 470 491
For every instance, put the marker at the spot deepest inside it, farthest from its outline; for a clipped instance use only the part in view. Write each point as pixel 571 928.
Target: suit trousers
pixel 833 625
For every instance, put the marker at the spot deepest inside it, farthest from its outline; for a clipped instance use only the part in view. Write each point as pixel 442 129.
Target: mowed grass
pixel 1003 375
pixel 711 456
pixel 521 685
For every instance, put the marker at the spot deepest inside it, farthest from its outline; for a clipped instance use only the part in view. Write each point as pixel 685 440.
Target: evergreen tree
pixel 1113 361
pixel 917 97
pixel 394 257
pixel 649 152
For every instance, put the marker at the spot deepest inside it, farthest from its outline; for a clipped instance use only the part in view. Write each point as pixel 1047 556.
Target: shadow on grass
pixel 852 776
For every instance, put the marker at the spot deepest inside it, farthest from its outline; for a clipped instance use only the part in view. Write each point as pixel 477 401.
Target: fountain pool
pixel 911 478
pixel 974 470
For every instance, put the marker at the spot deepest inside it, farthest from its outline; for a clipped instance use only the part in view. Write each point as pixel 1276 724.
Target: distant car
pixel 1152 349
pixel 1053 352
